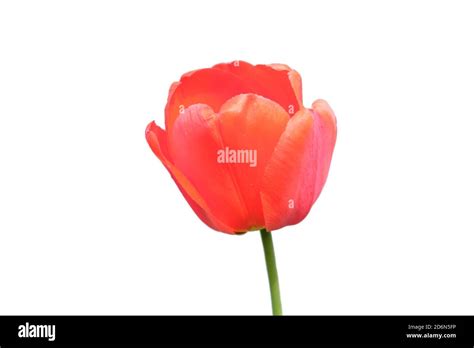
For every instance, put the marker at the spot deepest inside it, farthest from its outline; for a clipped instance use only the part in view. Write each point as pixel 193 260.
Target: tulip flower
pixel 244 151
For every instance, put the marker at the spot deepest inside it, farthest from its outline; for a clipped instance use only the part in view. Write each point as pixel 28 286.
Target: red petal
pixel 295 80
pixel 327 132
pixel 253 124
pixel 216 85
pixel 293 176
pixel 194 142
pixel 270 81
pixel 206 86
pixel 157 139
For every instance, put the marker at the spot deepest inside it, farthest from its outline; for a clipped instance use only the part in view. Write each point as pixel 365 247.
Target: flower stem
pixel 272 271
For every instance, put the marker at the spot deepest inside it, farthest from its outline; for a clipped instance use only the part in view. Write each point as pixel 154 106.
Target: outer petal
pixel 194 142
pixel 206 86
pixel 157 139
pixel 254 125
pixel 295 80
pixel 298 169
pixel 270 81
pixel 327 133
pixel 216 85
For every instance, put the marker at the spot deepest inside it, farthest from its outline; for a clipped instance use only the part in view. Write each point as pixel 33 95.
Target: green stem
pixel 272 271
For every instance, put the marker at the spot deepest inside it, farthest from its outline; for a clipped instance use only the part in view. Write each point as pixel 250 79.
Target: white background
pixel 91 222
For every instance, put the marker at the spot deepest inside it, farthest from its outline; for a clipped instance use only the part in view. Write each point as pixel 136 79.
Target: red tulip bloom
pixel 243 150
